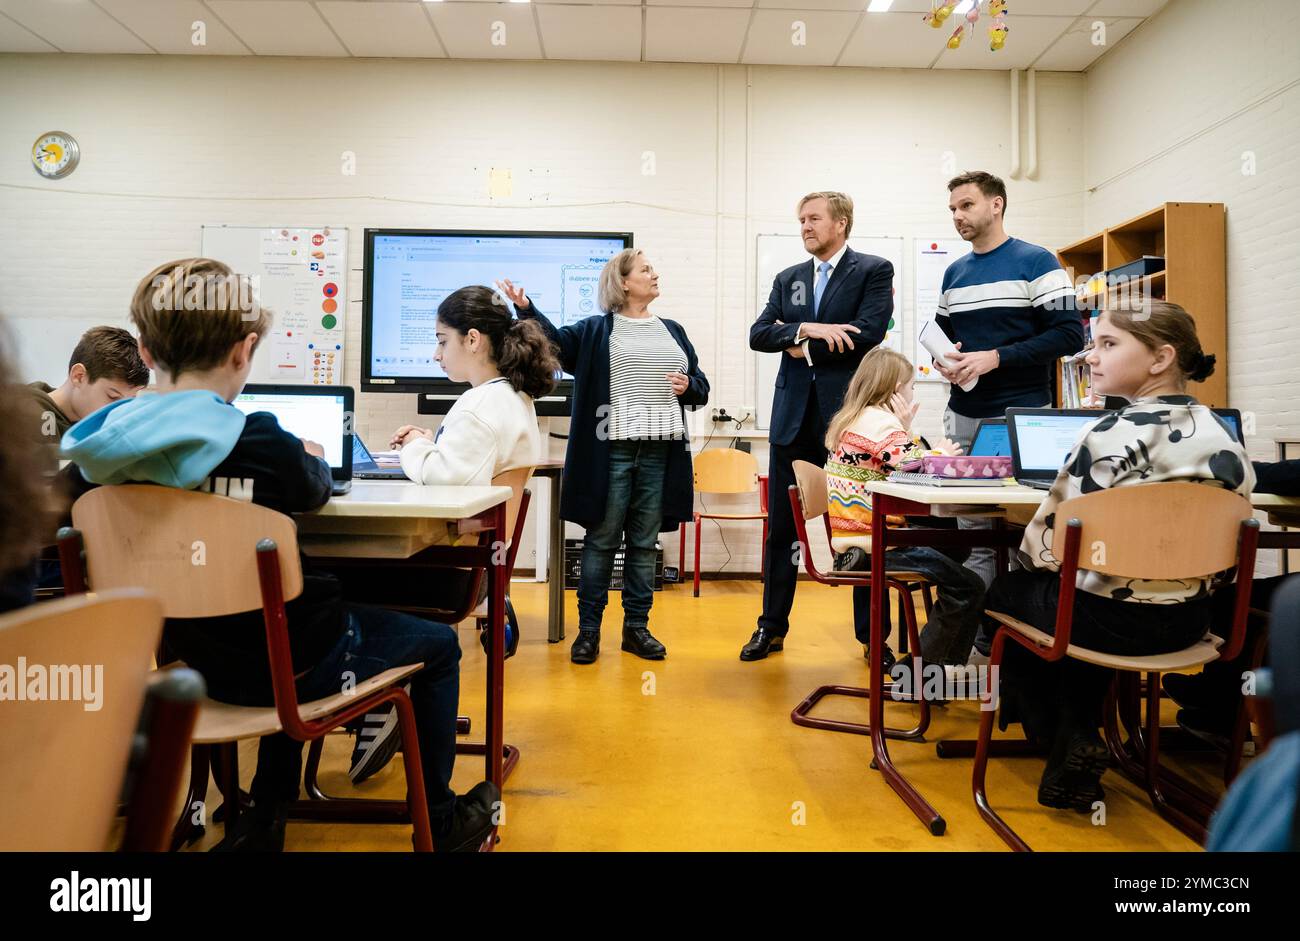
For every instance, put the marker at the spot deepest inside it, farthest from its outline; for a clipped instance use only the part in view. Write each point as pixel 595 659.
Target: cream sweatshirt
pixel 491 429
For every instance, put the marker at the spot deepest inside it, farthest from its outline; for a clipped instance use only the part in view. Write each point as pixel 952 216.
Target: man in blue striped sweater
pixel 1009 307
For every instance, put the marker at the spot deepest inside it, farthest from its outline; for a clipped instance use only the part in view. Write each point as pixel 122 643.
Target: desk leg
pixel 495 737
pixel 555 623
pixel 879 751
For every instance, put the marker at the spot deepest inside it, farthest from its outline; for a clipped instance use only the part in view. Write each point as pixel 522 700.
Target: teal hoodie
pixel 175 439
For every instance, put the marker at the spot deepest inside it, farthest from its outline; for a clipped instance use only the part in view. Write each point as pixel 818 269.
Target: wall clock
pixel 55 155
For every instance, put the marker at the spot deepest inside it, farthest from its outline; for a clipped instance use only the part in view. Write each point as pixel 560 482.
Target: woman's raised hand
pixel 516 294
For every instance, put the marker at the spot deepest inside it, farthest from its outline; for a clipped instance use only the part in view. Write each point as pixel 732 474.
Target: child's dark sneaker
pixel 377 742
pixel 1072 778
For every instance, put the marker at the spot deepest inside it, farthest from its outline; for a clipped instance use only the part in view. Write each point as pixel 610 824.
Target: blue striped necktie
pixel 820 287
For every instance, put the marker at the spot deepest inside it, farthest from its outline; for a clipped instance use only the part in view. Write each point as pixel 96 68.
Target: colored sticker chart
pixel 933 256
pixel 300 275
pixel 775 253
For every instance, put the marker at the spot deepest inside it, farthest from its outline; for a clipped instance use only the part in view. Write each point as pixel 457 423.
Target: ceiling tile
pixel 1027 38
pixel 682 35
pixel 15 38
pixel 1014 8
pixel 279 27
pixel 772 34
pixel 73 25
pixel 168 26
pixel 487 30
pixel 848 6
pixel 700 3
pixel 1138 8
pixel 1075 51
pixel 606 33
pixel 382 29
pixel 892 41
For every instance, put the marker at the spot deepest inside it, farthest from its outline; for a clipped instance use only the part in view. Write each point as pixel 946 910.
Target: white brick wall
pixel 1171 112
pixel 170 144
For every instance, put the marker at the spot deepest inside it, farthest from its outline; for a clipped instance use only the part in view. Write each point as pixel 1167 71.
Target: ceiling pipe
pixel 1015 124
pixel 1031 171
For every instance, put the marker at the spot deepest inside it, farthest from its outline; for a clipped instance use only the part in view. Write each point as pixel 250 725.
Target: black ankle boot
pixel 586 648
pixel 639 641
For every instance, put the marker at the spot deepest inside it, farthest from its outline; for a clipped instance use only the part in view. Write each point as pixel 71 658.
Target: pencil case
pixel 966 466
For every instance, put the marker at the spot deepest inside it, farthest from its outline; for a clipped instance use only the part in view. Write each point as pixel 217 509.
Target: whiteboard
pixel 775 253
pixel 300 274
pixel 933 256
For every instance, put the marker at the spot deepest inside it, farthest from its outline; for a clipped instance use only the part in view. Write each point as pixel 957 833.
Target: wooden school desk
pixel 395 519
pixel 1007 503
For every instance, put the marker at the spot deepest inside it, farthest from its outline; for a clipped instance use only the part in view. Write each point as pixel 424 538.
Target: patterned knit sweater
pixel 1153 440
pixel 872 446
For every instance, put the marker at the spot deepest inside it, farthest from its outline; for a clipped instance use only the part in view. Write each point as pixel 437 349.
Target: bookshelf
pixel 1191 238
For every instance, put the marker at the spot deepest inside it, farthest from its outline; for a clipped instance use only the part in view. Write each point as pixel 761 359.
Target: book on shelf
pixel 1076 381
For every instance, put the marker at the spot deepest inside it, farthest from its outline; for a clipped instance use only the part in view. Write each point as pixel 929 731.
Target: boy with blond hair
pixel 199 328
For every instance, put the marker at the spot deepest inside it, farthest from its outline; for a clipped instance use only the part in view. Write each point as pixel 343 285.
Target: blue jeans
pixel 633 514
pixel 376 640
pixel 950 629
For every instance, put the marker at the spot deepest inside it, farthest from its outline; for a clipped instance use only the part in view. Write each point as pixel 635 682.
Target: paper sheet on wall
pixel 300 275
pixel 932 258
pixel 775 253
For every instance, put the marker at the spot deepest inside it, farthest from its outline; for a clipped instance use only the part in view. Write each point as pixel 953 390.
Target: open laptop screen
pixel 1044 439
pixel 312 412
pixel 992 439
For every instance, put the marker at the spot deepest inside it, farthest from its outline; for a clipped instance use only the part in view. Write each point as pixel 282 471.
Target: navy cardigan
pixel 584 351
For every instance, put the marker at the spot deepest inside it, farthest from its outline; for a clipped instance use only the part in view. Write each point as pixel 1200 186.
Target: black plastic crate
pixel 573 566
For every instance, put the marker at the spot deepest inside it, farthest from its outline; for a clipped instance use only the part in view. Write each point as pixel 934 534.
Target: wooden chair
pixel 64 764
pixel 206 556
pixel 516 516
pixel 725 471
pixel 1133 525
pixel 808 500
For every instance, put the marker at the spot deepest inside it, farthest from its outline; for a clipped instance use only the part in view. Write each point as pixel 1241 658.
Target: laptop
pixel 991 439
pixel 365 467
pixel 1041 440
pixel 317 413
pixel 1230 416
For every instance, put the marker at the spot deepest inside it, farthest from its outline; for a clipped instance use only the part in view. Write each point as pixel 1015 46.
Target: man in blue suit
pixel 822 317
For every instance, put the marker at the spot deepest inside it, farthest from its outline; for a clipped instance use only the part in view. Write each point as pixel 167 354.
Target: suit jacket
pixel 859 292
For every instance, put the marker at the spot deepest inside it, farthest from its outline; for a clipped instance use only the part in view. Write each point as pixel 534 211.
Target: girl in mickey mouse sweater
pixel 1162 435
pixel 869 437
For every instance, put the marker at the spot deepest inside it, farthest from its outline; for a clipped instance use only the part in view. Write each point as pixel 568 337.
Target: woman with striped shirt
pixel 627 473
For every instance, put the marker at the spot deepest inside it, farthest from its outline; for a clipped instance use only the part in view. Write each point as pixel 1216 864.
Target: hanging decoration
pixel 941 10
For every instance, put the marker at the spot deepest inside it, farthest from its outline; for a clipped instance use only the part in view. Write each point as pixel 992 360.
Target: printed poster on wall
pixel 933 256
pixel 301 277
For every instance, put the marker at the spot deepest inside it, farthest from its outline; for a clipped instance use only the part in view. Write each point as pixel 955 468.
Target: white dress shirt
pixel 834 260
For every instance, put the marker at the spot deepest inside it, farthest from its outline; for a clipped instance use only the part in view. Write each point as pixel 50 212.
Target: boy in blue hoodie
pixel 199 327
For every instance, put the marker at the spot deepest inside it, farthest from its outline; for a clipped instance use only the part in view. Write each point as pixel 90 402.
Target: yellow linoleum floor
pixel 697 752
